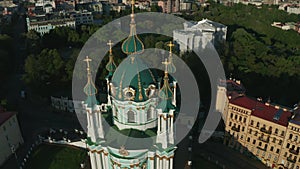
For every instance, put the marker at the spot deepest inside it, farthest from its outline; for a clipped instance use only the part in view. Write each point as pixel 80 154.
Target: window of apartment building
pixel 248 139
pixel 266 146
pixel 264 126
pixel 296 138
pixel 244 119
pixel 257 124
pixel 231 115
pixel 272 148
pixel 270 156
pixel 274 140
pixel 291 136
pixel 242 137
pixel 254 141
pixel 285 154
pixel 288 145
pixel 243 128
pixel 240 118
pixel 259 144
pixel 282 133
pixel 276 131
pixel 280 142
pixel 230 124
pixel 255 134
pixel 235 117
pixel 277 151
pixel 250 131
pixel 252 122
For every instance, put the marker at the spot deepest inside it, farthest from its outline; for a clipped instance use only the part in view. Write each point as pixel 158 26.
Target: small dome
pixel 132 45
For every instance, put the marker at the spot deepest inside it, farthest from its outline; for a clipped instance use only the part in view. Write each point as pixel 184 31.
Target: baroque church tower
pixel 137 106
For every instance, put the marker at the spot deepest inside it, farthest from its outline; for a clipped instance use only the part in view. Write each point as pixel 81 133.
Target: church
pixel 140 106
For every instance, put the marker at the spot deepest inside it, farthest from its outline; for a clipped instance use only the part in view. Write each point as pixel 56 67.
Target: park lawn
pixel 202 163
pixel 56 157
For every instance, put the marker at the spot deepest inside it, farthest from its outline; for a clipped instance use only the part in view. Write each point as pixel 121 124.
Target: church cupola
pixel 90 89
pixel 133 44
pixel 110 66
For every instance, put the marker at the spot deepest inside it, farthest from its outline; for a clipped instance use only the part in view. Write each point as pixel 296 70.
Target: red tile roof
pixel 261 110
pixel 4 116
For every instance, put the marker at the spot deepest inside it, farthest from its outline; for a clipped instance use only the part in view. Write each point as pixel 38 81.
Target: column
pixel 93 161
pixel 174 93
pixel 106 160
pixel 157 162
pixel 167 163
pixel 171 162
pixel 158 124
pixel 103 160
pixel 160 163
pixel 98 160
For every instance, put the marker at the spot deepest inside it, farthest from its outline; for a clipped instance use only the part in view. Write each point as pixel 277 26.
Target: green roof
pixel 111 66
pixel 133 44
pixel 135 74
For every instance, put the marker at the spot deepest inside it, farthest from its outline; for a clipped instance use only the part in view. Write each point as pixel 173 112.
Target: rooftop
pixel 265 111
pixel 4 116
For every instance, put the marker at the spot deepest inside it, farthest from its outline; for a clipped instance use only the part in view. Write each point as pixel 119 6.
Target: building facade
pixel 10 135
pixel 267 131
pixel 45 26
pixel 198 35
pixel 135 103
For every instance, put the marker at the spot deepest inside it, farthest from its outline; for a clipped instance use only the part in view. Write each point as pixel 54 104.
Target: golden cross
pixel 166 63
pixel 171 45
pixel 110 46
pixel 87 60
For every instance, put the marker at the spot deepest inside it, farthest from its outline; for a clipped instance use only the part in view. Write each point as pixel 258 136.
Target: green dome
pixel 133 76
pixel 110 66
pixel 132 45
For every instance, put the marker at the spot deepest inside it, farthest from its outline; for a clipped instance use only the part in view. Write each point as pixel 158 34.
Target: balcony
pixel 265 130
pixel 293 151
pixel 264 140
pixel 263 149
pixel 291 160
pixel 235 129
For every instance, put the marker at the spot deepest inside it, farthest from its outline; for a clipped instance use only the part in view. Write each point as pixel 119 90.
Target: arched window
pixel 131 116
pixel 150 113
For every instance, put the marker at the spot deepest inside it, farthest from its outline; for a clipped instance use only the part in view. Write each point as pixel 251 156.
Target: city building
pixel 169 6
pixel 269 132
pixel 44 26
pixel 139 105
pixel 82 17
pixel 198 35
pixel 10 135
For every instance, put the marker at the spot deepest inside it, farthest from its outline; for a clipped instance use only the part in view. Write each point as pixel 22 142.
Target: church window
pixel 131 116
pixel 149 113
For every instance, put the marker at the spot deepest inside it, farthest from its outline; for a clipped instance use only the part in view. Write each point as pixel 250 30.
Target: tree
pixel 45 68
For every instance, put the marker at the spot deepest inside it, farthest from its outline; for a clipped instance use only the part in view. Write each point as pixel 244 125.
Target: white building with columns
pixel 196 35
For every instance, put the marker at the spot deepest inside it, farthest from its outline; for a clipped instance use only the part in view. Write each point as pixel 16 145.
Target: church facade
pixel 137 106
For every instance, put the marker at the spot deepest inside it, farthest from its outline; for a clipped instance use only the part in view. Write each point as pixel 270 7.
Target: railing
pixel 291 160
pixel 264 140
pixel 293 151
pixel 265 130
pixel 235 129
pixel 264 149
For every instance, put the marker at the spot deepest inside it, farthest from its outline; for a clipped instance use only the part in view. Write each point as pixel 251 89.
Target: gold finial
pixel 88 60
pixel 132 6
pixel 166 63
pixel 110 46
pixel 171 45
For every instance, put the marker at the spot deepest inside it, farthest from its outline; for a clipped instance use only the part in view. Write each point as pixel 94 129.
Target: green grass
pixel 56 157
